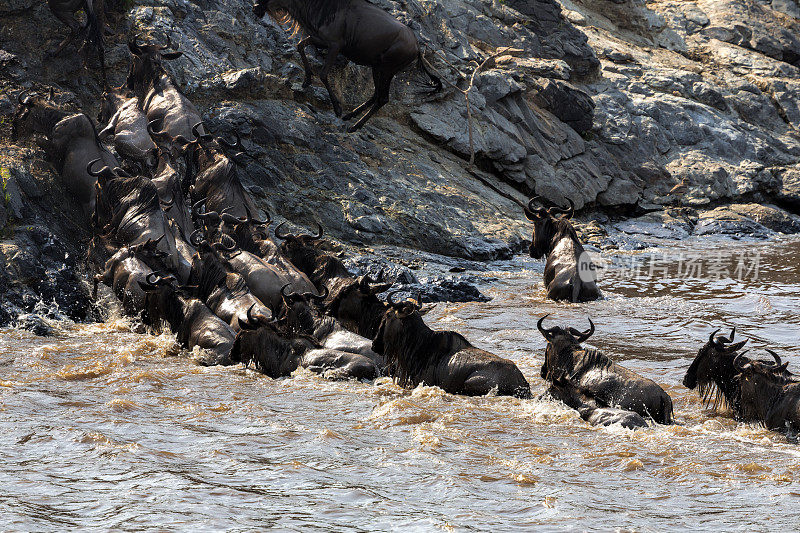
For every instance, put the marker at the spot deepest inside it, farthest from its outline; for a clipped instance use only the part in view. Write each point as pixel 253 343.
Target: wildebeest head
pixel 759 382
pixel 398 325
pixel 110 102
pixel 146 65
pixel 712 370
pixel 561 342
pixel 548 225
pixel 297 314
pixel 354 303
pixel 273 7
pixel 300 249
pixel 34 114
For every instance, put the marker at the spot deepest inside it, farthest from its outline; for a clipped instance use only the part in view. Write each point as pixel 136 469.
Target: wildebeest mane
pixel 420 349
pixel 308 16
pixel 131 198
pixel 212 274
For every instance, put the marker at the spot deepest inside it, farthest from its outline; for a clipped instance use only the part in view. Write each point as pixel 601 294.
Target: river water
pixel 101 427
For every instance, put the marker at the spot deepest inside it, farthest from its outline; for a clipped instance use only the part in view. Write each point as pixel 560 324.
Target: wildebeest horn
pixel 196 239
pixel 93 173
pixel 166 204
pixel 737 363
pixel 237 145
pixel 151 129
pixel 155 242
pixel 24 98
pixel 319 232
pixel 735 347
pixel 774 356
pixel 390 297
pixel 230 219
pixel 318 297
pixel 152 278
pixel 584 335
pixel 546 333
pixel 278 232
pixel 230 248
pixel 711 337
pixel 258 222
pixel 532 213
pixel 286 295
pixel 568 212
pixel 196 132
pixel 251 323
pixel 134 47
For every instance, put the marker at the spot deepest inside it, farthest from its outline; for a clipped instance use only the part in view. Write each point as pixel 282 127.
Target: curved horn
pixel 568 211
pixel 155 242
pixel 152 278
pixel 418 305
pixel 230 248
pixel 319 297
pixel 278 234
pixel 390 297
pixel 237 145
pixel 319 232
pixel 546 333
pixel 196 238
pixel 230 219
pixel 737 363
pixel 284 293
pixel 774 356
pixel 24 98
pixel 167 204
pixel 93 173
pixel 588 333
pixel 264 222
pixel 134 47
pixel 196 132
pixel 711 339
pixel 532 213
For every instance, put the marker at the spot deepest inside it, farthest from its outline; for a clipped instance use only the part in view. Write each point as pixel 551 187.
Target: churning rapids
pixel 103 427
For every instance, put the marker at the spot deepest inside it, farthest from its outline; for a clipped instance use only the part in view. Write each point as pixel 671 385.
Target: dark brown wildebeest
pixel 158 95
pixel 418 355
pixel 71 144
pixel 299 316
pixel 351 301
pixel 224 292
pixel 712 371
pixel 767 395
pixel 126 125
pixel 192 322
pixel 362 32
pixel 124 272
pixel 64 10
pixel 564 390
pixel 594 374
pixel 569 273
pixel 278 353
pixel 128 206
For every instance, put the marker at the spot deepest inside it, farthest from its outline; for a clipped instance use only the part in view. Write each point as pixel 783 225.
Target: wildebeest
pixel 126 124
pixel 224 292
pixel 192 322
pixel 713 373
pixel 767 395
pixel 362 32
pixel 64 10
pixel 72 143
pixel 299 316
pixel 595 374
pixel 569 273
pixel 124 272
pixel 129 207
pixel 158 95
pixel 169 184
pixel 566 391
pixel 277 353
pixel 351 301
pixel 418 355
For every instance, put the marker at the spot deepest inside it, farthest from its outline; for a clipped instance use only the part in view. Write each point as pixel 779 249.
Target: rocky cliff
pixel 611 104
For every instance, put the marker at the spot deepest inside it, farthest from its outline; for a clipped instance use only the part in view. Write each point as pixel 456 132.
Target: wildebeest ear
pixel 172 55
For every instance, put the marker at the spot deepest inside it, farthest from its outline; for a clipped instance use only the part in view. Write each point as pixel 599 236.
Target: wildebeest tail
pixel 425 67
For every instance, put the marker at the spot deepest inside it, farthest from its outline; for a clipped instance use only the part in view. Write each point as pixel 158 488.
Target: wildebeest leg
pixel 382 98
pixel 301 48
pixel 67 18
pixel 360 109
pixel 333 53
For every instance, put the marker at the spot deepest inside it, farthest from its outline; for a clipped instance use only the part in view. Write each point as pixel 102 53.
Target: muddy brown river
pixel 101 427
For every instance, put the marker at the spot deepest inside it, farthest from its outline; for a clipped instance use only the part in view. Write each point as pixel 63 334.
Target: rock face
pixel 609 104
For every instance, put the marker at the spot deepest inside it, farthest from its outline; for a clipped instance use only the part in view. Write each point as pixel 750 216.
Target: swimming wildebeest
pixel 569 273
pixel 566 391
pixel 159 96
pixel 124 271
pixel 71 144
pixel 595 374
pixel 277 352
pixel 713 373
pixel 418 355
pixel 362 32
pixel 64 10
pixel 192 322
pixel 767 395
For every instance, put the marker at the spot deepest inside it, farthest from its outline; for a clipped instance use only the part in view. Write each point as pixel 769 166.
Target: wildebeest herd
pixel 181 244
